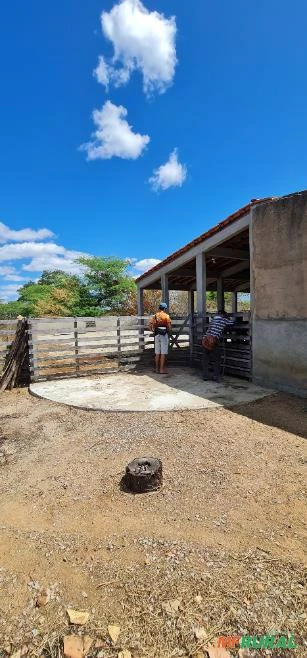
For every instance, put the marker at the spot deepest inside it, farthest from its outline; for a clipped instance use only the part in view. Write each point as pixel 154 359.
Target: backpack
pixel 209 342
pixel 160 331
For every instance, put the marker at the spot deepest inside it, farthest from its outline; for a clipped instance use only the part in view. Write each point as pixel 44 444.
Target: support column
pixel 164 289
pixel 220 294
pixel 191 302
pixel 140 301
pixel 191 310
pixel 140 322
pixel 201 284
pixel 234 302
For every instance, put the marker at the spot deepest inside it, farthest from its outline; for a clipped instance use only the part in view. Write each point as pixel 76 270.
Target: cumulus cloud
pixel 143 41
pixel 9 273
pixel 145 264
pixel 113 135
pixel 66 262
pixel 7 234
pixel 170 174
pixel 32 256
pixel 8 292
pixel 29 250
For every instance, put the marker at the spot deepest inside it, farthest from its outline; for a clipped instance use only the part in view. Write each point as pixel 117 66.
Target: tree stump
pixel 144 474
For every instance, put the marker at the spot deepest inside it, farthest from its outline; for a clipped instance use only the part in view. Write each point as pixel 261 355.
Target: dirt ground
pixel 219 550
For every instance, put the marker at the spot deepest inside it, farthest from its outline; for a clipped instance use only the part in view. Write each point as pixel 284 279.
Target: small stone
pixel 84 594
pixel 73 646
pixel 78 617
pixel 200 633
pixel 24 650
pixel 87 643
pixel 114 632
pixel 259 587
pixel 35 632
pixel 172 606
pixel 198 599
pixel 43 598
pixel 124 654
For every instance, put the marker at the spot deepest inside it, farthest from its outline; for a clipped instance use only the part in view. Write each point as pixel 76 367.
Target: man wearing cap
pixel 161 324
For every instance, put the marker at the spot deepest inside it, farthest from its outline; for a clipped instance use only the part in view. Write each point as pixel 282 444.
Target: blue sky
pixel 224 83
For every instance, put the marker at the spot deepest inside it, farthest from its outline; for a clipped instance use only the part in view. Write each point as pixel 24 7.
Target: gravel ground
pixel 219 550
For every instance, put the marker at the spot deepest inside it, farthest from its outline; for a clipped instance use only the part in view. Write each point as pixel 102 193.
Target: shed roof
pixel 204 236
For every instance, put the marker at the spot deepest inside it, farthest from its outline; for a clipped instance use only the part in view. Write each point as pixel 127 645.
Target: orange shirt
pixel 160 319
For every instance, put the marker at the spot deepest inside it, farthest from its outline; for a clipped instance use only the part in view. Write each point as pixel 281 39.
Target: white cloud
pixel 33 257
pixel 170 174
pixel 145 264
pixel 142 40
pixel 9 273
pixel 114 136
pixel 29 250
pixel 9 292
pixel 101 72
pixel 7 234
pixel 55 262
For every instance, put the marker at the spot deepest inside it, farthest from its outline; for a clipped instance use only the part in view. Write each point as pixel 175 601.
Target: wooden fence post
pixel 76 337
pixel 118 340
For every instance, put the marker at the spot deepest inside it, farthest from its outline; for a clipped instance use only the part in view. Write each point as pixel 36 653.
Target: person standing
pixel 212 348
pixel 161 324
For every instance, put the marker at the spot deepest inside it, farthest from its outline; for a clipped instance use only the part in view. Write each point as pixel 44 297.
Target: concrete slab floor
pixel 147 391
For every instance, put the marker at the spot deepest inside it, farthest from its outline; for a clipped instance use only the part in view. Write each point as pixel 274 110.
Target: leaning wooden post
pixel 16 357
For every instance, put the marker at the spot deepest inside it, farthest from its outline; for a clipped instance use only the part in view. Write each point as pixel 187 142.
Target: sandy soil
pixel 228 526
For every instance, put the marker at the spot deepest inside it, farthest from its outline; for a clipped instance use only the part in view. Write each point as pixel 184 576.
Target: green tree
pixel 108 282
pixel 10 310
pixel 58 279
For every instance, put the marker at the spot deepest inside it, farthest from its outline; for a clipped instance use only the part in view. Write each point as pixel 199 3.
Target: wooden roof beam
pixel 234 269
pixel 228 252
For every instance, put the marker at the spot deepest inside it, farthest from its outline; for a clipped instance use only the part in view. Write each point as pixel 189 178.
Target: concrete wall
pixel 279 281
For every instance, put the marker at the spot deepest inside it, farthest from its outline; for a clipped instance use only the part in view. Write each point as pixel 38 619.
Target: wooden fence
pixel 72 347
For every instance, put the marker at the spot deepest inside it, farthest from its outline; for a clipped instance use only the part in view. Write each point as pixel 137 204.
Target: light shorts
pixel 161 344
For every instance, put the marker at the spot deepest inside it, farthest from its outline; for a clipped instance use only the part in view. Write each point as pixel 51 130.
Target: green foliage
pixel 104 287
pixel 58 279
pixel 108 282
pixel 10 310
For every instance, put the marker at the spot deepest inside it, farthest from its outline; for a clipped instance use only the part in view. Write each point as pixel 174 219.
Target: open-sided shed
pixel 261 249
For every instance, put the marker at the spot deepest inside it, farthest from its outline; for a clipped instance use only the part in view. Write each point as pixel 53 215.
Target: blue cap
pixel 163 306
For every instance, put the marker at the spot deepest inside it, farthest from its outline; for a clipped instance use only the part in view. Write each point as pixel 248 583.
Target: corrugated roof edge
pixel 219 227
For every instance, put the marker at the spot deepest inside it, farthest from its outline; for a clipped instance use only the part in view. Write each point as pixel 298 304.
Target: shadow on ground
pixel 281 410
